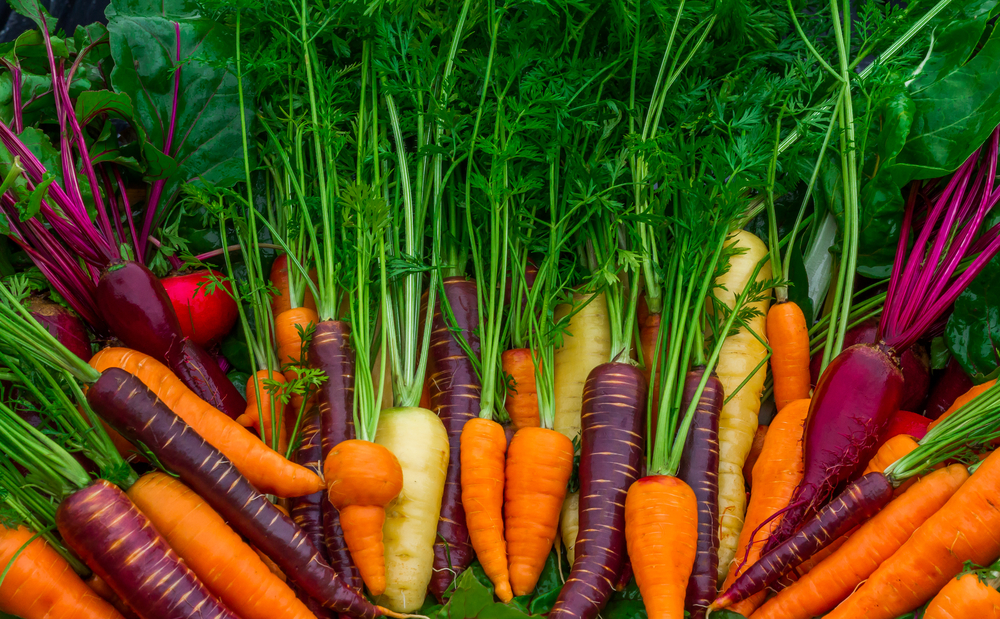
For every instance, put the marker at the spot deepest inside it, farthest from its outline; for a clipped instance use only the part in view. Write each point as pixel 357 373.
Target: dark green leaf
pixel 940 355
pixel 29 207
pixel 973 330
pixel 881 205
pixel 625 604
pixel 239 380
pixel 33 10
pixel 91 103
pixel 472 599
pixel 234 349
pixel 961 27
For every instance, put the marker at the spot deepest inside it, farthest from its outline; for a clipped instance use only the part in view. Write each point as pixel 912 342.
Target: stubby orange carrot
pixel 539 464
pixel 874 542
pixel 39 584
pixel 218 555
pixel 265 468
pixel 789 338
pixel 484 447
pixel 362 478
pixel 522 394
pixel 890 451
pixel 776 473
pixel 964 529
pixel 965 597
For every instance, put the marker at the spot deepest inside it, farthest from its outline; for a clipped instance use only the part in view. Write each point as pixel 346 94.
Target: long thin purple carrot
pixel 119 543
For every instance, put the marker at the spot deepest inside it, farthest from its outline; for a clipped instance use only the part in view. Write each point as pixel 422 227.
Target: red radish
pixel 952 383
pixel 863 387
pixel 205 317
pixel 905 422
pixel 915 363
pixel 61 322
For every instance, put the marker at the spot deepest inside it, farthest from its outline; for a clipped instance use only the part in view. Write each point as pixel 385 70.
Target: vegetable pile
pixel 665 308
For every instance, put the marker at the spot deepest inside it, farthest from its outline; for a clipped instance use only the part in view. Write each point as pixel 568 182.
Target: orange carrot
pixel 253 418
pixel 539 464
pixel 265 468
pixel 777 471
pixel 40 584
pixel 106 593
pixel 279 279
pixel 890 451
pixel 289 326
pixel 661 533
pixel 789 338
pixel 965 598
pixel 964 529
pixel 362 478
pixel 961 401
pixel 217 554
pixel 484 446
pixel 874 542
pixel 522 394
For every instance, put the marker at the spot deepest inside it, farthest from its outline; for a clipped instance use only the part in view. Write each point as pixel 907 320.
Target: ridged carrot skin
pixel 484 450
pixel 569 524
pixel 522 391
pixel 661 529
pixel 266 469
pixel 330 351
pixel 41 585
pixel 217 554
pixel 614 407
pixel 890 451
pixel 209 473
pixel 788 335
pixel 854 505
pixel 585 345
pixel 307 510
pixel 287 335
pixel 201 373
pixel 834 578
pixel 119 543
pixel 454 392
pixel 963 598
pixel 850 409
pixel 539 465
pixel 699 470
pixel 777 472
pixel 964 529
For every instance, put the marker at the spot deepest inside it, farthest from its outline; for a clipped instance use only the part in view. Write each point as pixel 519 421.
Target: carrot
pixel 106 593
pixel 217 554
pixel 289 326
pixel 874 542
pixel 789 338
pixel 265 468
pixel 539 464
pixel 363 477
pixel 964 529
pixel 569 524
pixel 890 451
pixel 281 301
pixel 965 597
pixel 741 354
pixel 661 532
pixel 522 395
pixel 484 447
pixel 585 345
pixel 40 584
pixel 777 472
pixel 649 332
pixel 256 418
pixel 754 455
pixel 961 401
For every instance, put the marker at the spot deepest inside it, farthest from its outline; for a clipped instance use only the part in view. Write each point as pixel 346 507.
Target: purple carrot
pixel 699 469
pixel 454 391
pixel 860 500
pixel 119 543
pixel 863 386
pixel 130 407
pixel 330 351
pixel 63 324
pixel 614 409
pixel 307 511
pixel 952 383
pixel 203 375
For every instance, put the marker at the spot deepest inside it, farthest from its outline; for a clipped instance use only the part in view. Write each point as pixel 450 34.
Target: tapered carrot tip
pixel 362 525
pixel 503 591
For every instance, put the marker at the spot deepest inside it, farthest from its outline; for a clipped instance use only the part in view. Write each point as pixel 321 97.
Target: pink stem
pixel 128 210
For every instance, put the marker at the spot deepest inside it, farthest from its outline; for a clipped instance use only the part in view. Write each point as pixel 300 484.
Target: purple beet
pixel 454 391
pixel 64 324
pixel 859 501
pixel 200 371
pixel 614 408
pixel 952 383
pixel 119 543
pixel 699 469
pixel 330 351
pixel 137 309
pixel 915 363
pixel 130 407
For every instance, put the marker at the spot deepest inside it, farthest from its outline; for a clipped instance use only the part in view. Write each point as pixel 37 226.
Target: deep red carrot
pixel 119 543
pixel 699 469
pixel 125 403
pixel 454 391
pixel 330 351
pixel 614 404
